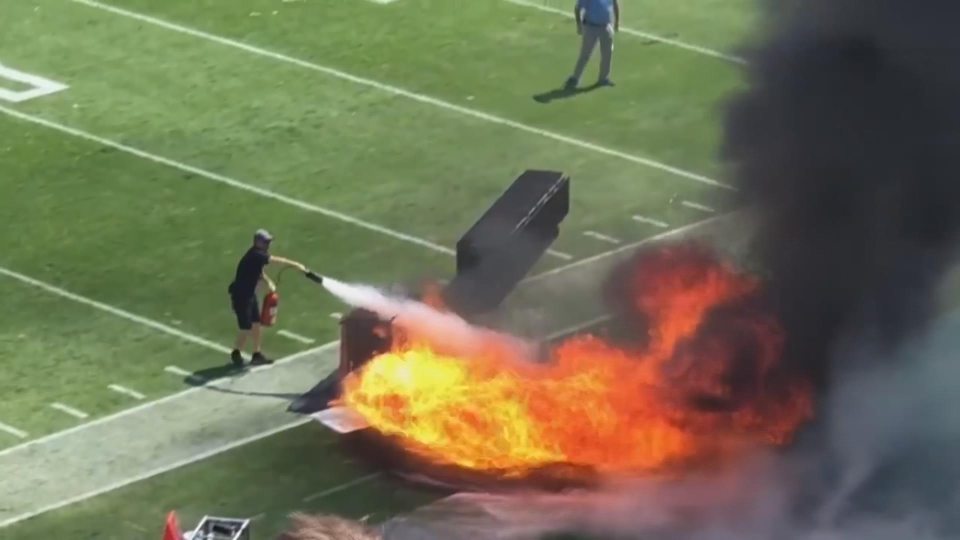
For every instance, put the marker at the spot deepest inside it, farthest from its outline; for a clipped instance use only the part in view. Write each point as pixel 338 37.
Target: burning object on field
pixel 705 382
pixel 702 381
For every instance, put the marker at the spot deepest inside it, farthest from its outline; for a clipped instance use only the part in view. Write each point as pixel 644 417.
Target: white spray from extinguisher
pixel 443 331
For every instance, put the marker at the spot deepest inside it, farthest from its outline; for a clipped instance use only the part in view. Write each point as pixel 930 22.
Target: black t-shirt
pixel 249 270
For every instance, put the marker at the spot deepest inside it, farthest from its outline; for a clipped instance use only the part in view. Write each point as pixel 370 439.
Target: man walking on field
pixel 597 20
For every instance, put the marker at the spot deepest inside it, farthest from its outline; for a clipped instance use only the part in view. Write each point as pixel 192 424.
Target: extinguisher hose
pixel 280 275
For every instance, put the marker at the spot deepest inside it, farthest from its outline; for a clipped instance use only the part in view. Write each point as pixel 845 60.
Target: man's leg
pixel 255 337
pixel 241 340
pixel 242 311
pixel 587 44
pixel 606 55
pixel 258 359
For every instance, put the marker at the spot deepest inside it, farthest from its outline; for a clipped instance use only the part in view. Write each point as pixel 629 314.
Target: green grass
pixel 290 467
pixel 155 239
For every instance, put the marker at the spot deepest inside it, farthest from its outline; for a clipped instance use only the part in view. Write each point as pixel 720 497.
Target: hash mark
pixel 296 337
pixel 651 221
pixel 602 237
pixel 698 206
pixel 560 254
pixel 13 431
pixel 175 370
pixel 76 413
pixel 127 391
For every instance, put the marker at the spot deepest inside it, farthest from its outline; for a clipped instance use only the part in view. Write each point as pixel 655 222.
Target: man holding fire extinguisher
pixel 243 295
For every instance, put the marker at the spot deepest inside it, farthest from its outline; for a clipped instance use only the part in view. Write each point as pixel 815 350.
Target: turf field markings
pixel 341 487
pixel 601 237
pixel 123 314
pixel 149 474
pixel 7 428
pixel 126 391
pixel 698 206
pixel 626 247
pixel 39 86
pixel 336 315
pixel 560 254
pixel 639 33
pixel 651 221
pixel 151 404
pixel 180 372
pixel 422 98
pixel 232 182
pixel 76 413
pixel 296 337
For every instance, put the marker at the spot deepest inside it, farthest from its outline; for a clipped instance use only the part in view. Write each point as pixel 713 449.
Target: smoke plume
pixel 845 146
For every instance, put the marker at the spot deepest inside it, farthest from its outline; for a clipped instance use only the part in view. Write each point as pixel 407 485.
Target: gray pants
pixel 592 34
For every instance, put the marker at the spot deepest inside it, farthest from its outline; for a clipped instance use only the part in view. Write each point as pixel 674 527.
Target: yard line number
pixel 18 86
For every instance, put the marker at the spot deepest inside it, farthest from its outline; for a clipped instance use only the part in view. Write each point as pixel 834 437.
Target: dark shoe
pixel 236 359
pixel 259 359
pixel 571 83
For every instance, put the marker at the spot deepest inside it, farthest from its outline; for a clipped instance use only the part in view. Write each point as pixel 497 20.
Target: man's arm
pixel 288 262
pixel 616 15
pixel 266 279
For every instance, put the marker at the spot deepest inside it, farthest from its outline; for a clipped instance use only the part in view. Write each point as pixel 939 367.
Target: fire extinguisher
pixel 268 314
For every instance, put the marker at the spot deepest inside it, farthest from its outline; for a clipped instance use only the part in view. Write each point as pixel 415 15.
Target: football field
pixel 143 141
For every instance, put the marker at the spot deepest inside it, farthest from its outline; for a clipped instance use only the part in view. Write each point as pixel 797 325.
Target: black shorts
pixel 247 311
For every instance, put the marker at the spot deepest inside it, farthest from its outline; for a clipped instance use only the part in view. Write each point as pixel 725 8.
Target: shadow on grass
pixel 564 93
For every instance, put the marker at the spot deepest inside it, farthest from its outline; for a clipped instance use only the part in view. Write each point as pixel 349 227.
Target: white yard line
pixel 422 98
pixel 232 182
pixel 151 404
pixel 123 314
pixel 296 337
pixel 337 489
pixel 639 33
pixel 76 413
pixel 126 391
pixel 336 315
pixel 560 254
pixel 698 206
pixel 650 221
pixel 154 472
pixel 602 237
pixel 20 434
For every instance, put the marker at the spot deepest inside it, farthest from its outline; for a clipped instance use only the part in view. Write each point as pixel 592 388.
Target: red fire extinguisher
pixel 268 314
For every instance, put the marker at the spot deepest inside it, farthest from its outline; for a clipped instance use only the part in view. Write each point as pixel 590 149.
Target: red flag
pixel 171 531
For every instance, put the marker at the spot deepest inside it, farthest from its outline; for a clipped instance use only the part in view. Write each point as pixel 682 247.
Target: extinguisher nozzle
pixel 313 276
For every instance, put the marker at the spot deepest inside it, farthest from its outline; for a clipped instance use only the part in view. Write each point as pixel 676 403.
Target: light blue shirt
pixel 598 12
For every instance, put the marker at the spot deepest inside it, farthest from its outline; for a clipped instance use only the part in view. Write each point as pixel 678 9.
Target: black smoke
pixel 846 145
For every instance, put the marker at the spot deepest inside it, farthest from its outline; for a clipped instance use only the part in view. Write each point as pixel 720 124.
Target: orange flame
pixel 701 387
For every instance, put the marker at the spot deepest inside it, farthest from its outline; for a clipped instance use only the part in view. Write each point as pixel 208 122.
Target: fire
pixel 706 381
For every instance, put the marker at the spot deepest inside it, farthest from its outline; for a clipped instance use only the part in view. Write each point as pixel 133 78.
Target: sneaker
pixel 236 358
pixel 571 83
pixel 605 82
pixel 258 359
